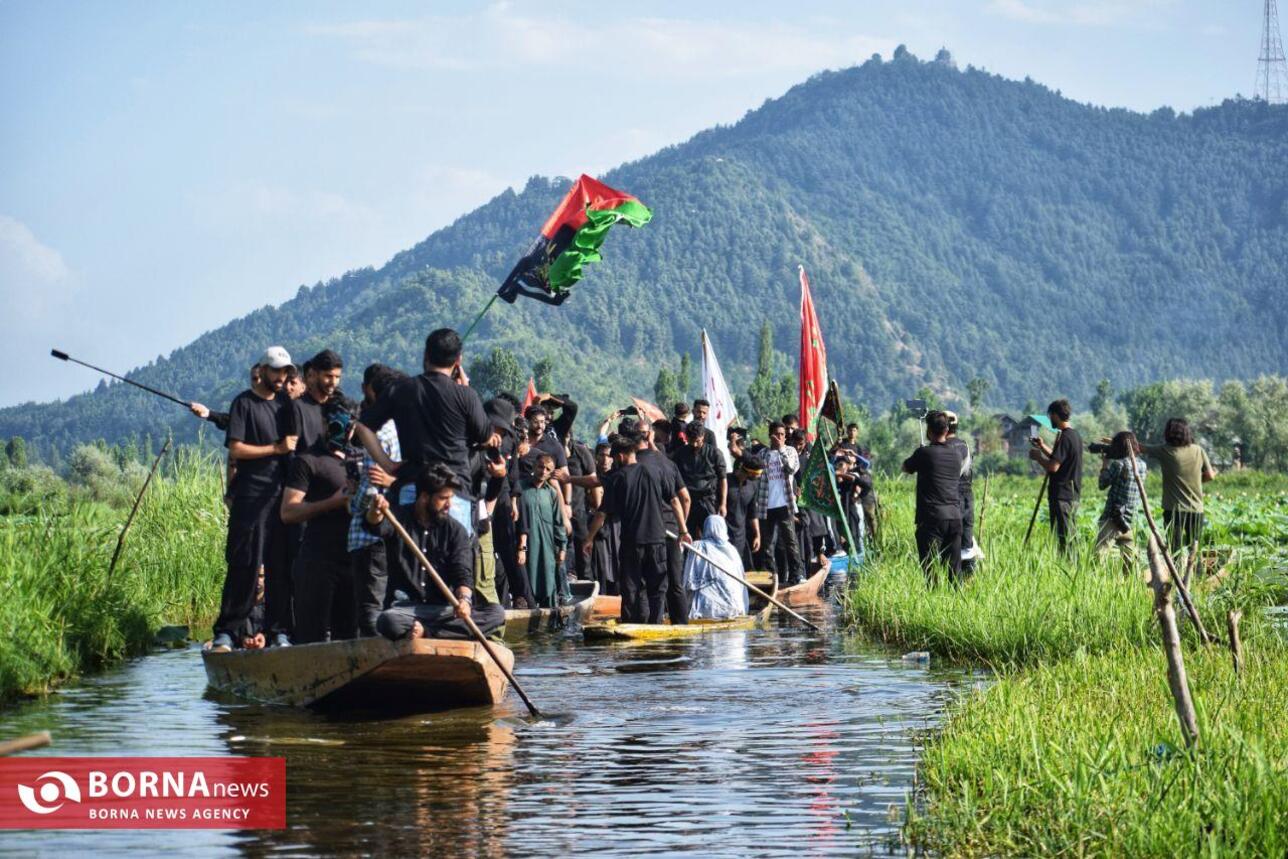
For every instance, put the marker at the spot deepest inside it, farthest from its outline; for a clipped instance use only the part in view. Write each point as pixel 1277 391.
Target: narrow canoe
pixel 520 623
pixel 612 630
pixel 366 673
pixel 801 594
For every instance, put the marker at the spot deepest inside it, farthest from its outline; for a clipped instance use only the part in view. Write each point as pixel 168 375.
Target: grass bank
pixel 60 614
pixel 1071 750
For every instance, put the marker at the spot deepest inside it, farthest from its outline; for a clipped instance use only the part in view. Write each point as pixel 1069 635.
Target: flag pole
pixel 479 318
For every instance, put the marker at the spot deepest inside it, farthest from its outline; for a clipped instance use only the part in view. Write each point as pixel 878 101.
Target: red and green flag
pixel 570 238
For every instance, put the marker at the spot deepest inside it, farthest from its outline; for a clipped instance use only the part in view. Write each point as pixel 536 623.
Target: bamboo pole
pixel 120 540
pixel 1177 681
pixel 455 603
pixel 1036 507
pixel 983 507
pixel 1190 610
pixel 743 581
pixel 1236 646
pixel 24 744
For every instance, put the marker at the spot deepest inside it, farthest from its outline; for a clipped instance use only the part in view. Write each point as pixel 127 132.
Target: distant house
pixel 1016 433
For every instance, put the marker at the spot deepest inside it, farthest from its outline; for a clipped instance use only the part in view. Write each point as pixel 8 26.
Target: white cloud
pixel 647 47
pixel 21 253
pixel 1091 13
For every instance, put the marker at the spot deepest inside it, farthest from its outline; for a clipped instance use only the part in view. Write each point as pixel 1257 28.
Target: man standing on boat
pixel 449 548
pixel 257 441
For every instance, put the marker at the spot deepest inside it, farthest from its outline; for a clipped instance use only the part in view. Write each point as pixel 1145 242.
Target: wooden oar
pixel 455 603
pixel 23 744
pixel 743 581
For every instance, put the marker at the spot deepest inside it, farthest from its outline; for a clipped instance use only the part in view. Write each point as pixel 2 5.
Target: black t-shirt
pixel 580 464
pixel 635 496
pixel 671 480
pixel 939 469
pixel 308 421
pixel 444 542
pixel 1066 483
pixel 437 421
pixel 320 477
pixel 548 444
pixel 741 503
pixel 701 469
pixel 255 420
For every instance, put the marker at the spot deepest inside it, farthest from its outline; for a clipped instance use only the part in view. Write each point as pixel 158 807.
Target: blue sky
pixel 165 167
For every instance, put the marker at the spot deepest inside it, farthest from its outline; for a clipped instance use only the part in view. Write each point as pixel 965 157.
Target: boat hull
pixel 367 673
pixel 524 622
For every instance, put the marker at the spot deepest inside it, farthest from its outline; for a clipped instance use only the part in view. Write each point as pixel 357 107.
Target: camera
pixel 917 407
pixel 1099 447
pixel 630 410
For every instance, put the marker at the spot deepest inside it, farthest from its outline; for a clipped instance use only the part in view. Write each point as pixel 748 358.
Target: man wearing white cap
pixel 257 439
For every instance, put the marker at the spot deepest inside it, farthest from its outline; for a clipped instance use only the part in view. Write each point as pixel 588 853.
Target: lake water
pixel 764 742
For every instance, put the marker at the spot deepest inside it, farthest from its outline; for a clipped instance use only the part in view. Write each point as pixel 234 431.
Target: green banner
pixel 818 488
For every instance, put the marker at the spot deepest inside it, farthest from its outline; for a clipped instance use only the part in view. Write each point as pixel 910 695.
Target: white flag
pixel 722 413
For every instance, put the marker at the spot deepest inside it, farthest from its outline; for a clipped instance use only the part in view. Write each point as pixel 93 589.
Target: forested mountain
pixel 954 224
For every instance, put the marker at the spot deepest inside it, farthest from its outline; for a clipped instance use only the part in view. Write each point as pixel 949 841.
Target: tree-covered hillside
pixel 955 225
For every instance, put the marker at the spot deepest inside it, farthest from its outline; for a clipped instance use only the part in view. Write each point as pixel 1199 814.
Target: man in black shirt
pixel 702 469
pixel 317 493
pixel 1063 465
pixel 635 495
pixel 939 511
pixel 702 408
pixel 308 421
pixel 450 550
pixel 438 420
pixel 257 441
pixel 647 455
pixel 744 527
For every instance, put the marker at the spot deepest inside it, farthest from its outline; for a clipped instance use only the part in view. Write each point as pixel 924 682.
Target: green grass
pixel 1070 750
pixel 61 616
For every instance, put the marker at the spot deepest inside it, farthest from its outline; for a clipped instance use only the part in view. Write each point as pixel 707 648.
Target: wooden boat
pixel 366 673
pixel 606 607
pixel 804 593
pixel 520 623
pixel 614 630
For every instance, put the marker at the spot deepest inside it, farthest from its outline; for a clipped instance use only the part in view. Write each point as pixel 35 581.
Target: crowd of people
pixel 508 504
pixel 945 504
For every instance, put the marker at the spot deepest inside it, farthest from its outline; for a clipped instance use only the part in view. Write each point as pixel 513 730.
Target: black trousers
pixel 779 524
pixel 325 595
pixel 256 537
pixel 1183 529
pixel 940 540
pixel 642 575
pixel 506 544
pixel 370 584
pixel 968 514
pixel 438 619
pixel 1063 516
pixel 701 507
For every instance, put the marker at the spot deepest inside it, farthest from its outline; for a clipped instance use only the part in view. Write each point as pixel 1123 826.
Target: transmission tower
pixel 1272 69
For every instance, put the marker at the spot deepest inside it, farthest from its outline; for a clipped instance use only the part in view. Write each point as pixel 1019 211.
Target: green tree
pixel 543 374
pixel 665 391
pixel 1103 399
pixel 976 388
pixel 684 378
pixel 498 371
pixel 16 452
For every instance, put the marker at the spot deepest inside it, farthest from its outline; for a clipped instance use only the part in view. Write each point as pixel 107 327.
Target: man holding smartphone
pixel 1063 465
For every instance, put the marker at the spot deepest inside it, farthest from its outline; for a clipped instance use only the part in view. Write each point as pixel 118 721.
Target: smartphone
pixel 1034 433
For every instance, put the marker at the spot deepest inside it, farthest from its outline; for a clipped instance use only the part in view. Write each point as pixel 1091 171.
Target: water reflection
pixel 743 743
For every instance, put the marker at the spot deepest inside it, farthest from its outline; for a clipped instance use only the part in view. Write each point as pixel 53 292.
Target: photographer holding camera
pixel 1123 498
pixel 1185 467
pixel 1063 465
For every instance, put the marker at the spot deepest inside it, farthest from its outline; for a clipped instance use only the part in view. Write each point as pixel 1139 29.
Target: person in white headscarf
pixel 712 594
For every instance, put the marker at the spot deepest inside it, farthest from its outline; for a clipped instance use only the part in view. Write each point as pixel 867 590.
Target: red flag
pixel 531 396
pixel 813 365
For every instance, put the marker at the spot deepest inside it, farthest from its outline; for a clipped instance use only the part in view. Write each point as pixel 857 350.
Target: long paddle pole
pixel 1036 507
pixel 63 356
pixel 23 744
pixel 456 604
pixel 120 541
pixel 743 581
